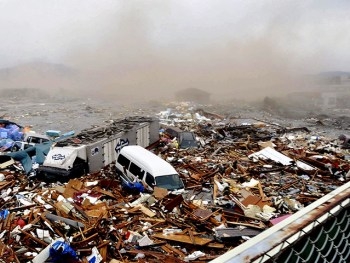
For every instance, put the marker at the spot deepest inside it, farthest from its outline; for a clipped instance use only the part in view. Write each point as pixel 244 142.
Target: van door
pixel 123 164
pixel 149 180
pixel 136 171
pixel 139 174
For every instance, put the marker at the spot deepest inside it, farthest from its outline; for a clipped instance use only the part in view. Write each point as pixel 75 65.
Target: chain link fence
pixel 318 233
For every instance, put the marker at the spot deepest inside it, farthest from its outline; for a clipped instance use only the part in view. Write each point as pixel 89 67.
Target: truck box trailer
pixel 101 144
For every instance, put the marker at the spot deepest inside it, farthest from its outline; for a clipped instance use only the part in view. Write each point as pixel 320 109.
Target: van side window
pixel 123 161
pixel 149 179
pixel 141 174
pixel 33 140
pixel 135 170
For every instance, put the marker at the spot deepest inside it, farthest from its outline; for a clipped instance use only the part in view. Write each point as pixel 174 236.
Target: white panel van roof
pixel 147 160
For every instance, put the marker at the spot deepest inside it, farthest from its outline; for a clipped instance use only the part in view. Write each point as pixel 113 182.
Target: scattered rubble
pixel 245 176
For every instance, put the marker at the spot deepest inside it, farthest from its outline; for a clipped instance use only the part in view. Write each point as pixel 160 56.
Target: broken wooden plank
pixel 172 250
pixel 37 240
pixel 184 239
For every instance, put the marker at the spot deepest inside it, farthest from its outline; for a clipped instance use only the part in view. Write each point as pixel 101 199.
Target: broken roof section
pixel 270 154
pixel 111 128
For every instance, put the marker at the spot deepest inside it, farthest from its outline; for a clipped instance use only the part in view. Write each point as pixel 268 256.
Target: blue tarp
pixel 135 187
pixel 10 133
pixel 61 251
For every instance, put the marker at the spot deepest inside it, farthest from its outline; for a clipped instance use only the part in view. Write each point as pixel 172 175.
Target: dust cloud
pixel 125 61
pixel 127 65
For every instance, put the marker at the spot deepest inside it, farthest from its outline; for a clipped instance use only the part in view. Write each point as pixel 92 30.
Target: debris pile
pixel 244 176
pixel 10 132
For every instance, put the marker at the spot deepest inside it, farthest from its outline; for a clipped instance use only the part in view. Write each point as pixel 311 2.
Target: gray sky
pixel 155 41
pixel 52 29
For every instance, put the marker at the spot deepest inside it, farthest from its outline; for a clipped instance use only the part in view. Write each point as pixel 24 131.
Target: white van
pixel 135 163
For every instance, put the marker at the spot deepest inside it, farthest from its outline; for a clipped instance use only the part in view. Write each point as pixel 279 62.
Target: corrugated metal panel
pixel 103 143
pixel 142 136
pixel 109 151
pixel 95 155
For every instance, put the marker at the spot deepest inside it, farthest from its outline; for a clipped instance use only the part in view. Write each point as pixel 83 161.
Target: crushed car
pixel 184 139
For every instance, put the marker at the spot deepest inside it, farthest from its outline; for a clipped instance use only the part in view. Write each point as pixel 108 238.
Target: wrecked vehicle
pixel 30 139
pixel 63 163
pixel 14 137
pixel 172 132
pixel 185 139
pixel 57 156
pixel 135 163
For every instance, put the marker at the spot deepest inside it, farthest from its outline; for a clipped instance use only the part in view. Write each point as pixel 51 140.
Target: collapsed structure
pixel 245 177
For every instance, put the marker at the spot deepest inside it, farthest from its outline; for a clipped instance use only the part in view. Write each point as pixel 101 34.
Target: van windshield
pixel 169 182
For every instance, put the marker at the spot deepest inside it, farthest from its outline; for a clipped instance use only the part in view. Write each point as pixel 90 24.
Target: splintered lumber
pixel 157 255
pixel 37 240
pixel 216 245
pixel 85 241
pixel 3 248
pixel 156 220
pixel 172 250
pixel 193 240
pixel 145 210
pixel 4 185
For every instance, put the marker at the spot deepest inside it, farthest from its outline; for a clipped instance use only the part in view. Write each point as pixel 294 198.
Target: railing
pixel 319 232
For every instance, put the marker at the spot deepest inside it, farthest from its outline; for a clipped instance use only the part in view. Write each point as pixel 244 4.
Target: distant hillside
pixel 39 67
pixel 28 93
pixel 49 77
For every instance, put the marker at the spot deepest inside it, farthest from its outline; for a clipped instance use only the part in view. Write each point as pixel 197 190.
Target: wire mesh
pixel 327 242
